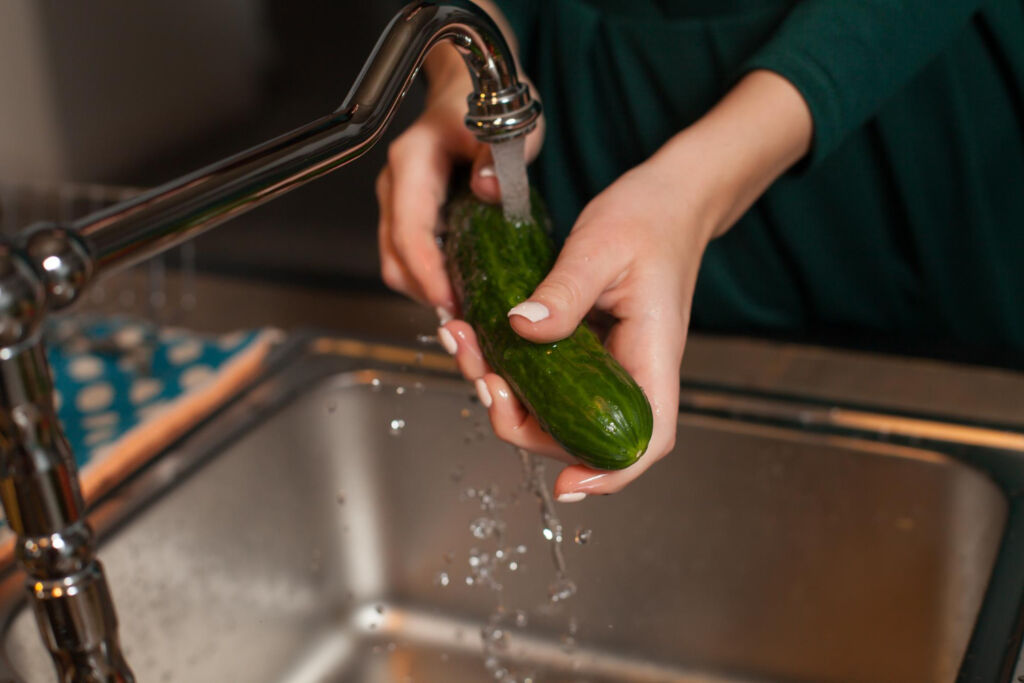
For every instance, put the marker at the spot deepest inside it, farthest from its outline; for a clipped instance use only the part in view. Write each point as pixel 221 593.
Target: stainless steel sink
pixel 305 534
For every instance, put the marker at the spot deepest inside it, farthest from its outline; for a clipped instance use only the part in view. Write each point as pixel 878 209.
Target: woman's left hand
pixel 634 253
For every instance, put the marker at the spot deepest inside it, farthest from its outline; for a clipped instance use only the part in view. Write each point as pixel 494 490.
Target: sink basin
pixel 323 526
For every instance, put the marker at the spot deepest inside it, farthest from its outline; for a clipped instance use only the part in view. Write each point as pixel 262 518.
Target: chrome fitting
pixel 63 262
pixel 509 113
pixel 22 297
pixel 78 623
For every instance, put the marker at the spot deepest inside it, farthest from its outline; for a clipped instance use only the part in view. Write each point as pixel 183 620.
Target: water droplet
pixel 375 384
pixel 379 609
pixel 521 618
pixel 400 390
pixel 392 647
pixel 494 637
pixel 426 339
pixel 442 579
pixel 561 589
pixel 464 412
pixel 419 387
pixel 582 536
pixel 568 644
pixel 396 426
pixel 486 527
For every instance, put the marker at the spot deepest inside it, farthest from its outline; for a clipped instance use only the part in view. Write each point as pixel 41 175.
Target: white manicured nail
pixel 443 315
pixel 447 340
pixel 573 497
pixel 482 393
pixel 486 171
pixel 531 310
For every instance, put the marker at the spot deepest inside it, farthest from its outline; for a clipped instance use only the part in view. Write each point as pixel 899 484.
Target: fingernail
pixel 531 310
pixel 591 481
pixel 486 171
pixel 482 393
pixel 572 497
pixel 443 315
pixel 447 340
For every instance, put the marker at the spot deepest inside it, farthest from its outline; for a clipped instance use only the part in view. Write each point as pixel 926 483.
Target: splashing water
pixel 563 587
pixel 496 559
pixel 510 167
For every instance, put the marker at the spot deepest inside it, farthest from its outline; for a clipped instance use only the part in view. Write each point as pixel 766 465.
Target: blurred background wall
pixel 118 92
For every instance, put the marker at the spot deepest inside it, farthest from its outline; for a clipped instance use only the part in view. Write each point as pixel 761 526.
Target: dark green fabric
pixel 905 224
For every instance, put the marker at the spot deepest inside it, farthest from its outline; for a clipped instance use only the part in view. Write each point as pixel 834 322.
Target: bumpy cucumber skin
pixel 579 394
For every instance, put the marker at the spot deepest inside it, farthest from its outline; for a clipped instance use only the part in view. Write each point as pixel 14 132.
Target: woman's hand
pixel 414 184
pixel 634 253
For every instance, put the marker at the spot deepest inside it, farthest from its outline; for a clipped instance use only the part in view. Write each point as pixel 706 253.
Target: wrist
pixel 729 157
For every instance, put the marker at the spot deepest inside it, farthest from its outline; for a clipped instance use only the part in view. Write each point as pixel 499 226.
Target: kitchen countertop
pixel 906 385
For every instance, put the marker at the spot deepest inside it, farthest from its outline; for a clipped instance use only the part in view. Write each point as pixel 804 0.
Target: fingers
pixel 419 168
pixel 484 179
pixel 392 271
pixel 459 339
pixel 588 265
pixel 649 345
pixel 510 421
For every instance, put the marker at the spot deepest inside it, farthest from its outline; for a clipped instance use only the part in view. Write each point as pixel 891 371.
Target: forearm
pixel 729 157
pixel 848 57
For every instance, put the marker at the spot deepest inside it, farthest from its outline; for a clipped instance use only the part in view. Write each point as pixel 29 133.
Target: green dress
pixel 904 226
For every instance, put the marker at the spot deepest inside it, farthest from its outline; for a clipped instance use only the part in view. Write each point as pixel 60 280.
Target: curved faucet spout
pixel 499 108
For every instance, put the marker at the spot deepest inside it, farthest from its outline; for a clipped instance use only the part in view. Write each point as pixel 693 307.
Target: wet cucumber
pixel 576 390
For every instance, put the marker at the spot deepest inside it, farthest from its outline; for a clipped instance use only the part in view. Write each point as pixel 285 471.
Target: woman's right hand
pixel 413 186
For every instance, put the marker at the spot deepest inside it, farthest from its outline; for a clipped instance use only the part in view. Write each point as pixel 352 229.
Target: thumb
pixel 483 179
pixel 581 274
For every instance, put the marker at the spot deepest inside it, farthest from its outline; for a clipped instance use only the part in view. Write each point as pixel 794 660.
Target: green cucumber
pixel 579 394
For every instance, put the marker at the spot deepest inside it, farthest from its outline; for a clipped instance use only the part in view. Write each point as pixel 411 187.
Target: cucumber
pixel 579 394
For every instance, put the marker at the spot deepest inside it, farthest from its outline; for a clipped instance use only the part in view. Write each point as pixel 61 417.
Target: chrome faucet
pixel 48 266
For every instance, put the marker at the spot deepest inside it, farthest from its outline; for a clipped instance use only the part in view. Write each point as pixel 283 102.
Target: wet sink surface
pixel 311 547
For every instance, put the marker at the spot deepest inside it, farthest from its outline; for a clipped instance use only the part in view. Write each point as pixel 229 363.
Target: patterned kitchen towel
pixel 125 390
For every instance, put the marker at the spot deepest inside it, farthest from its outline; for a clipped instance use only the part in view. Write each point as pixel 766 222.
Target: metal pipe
pixel 41 497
